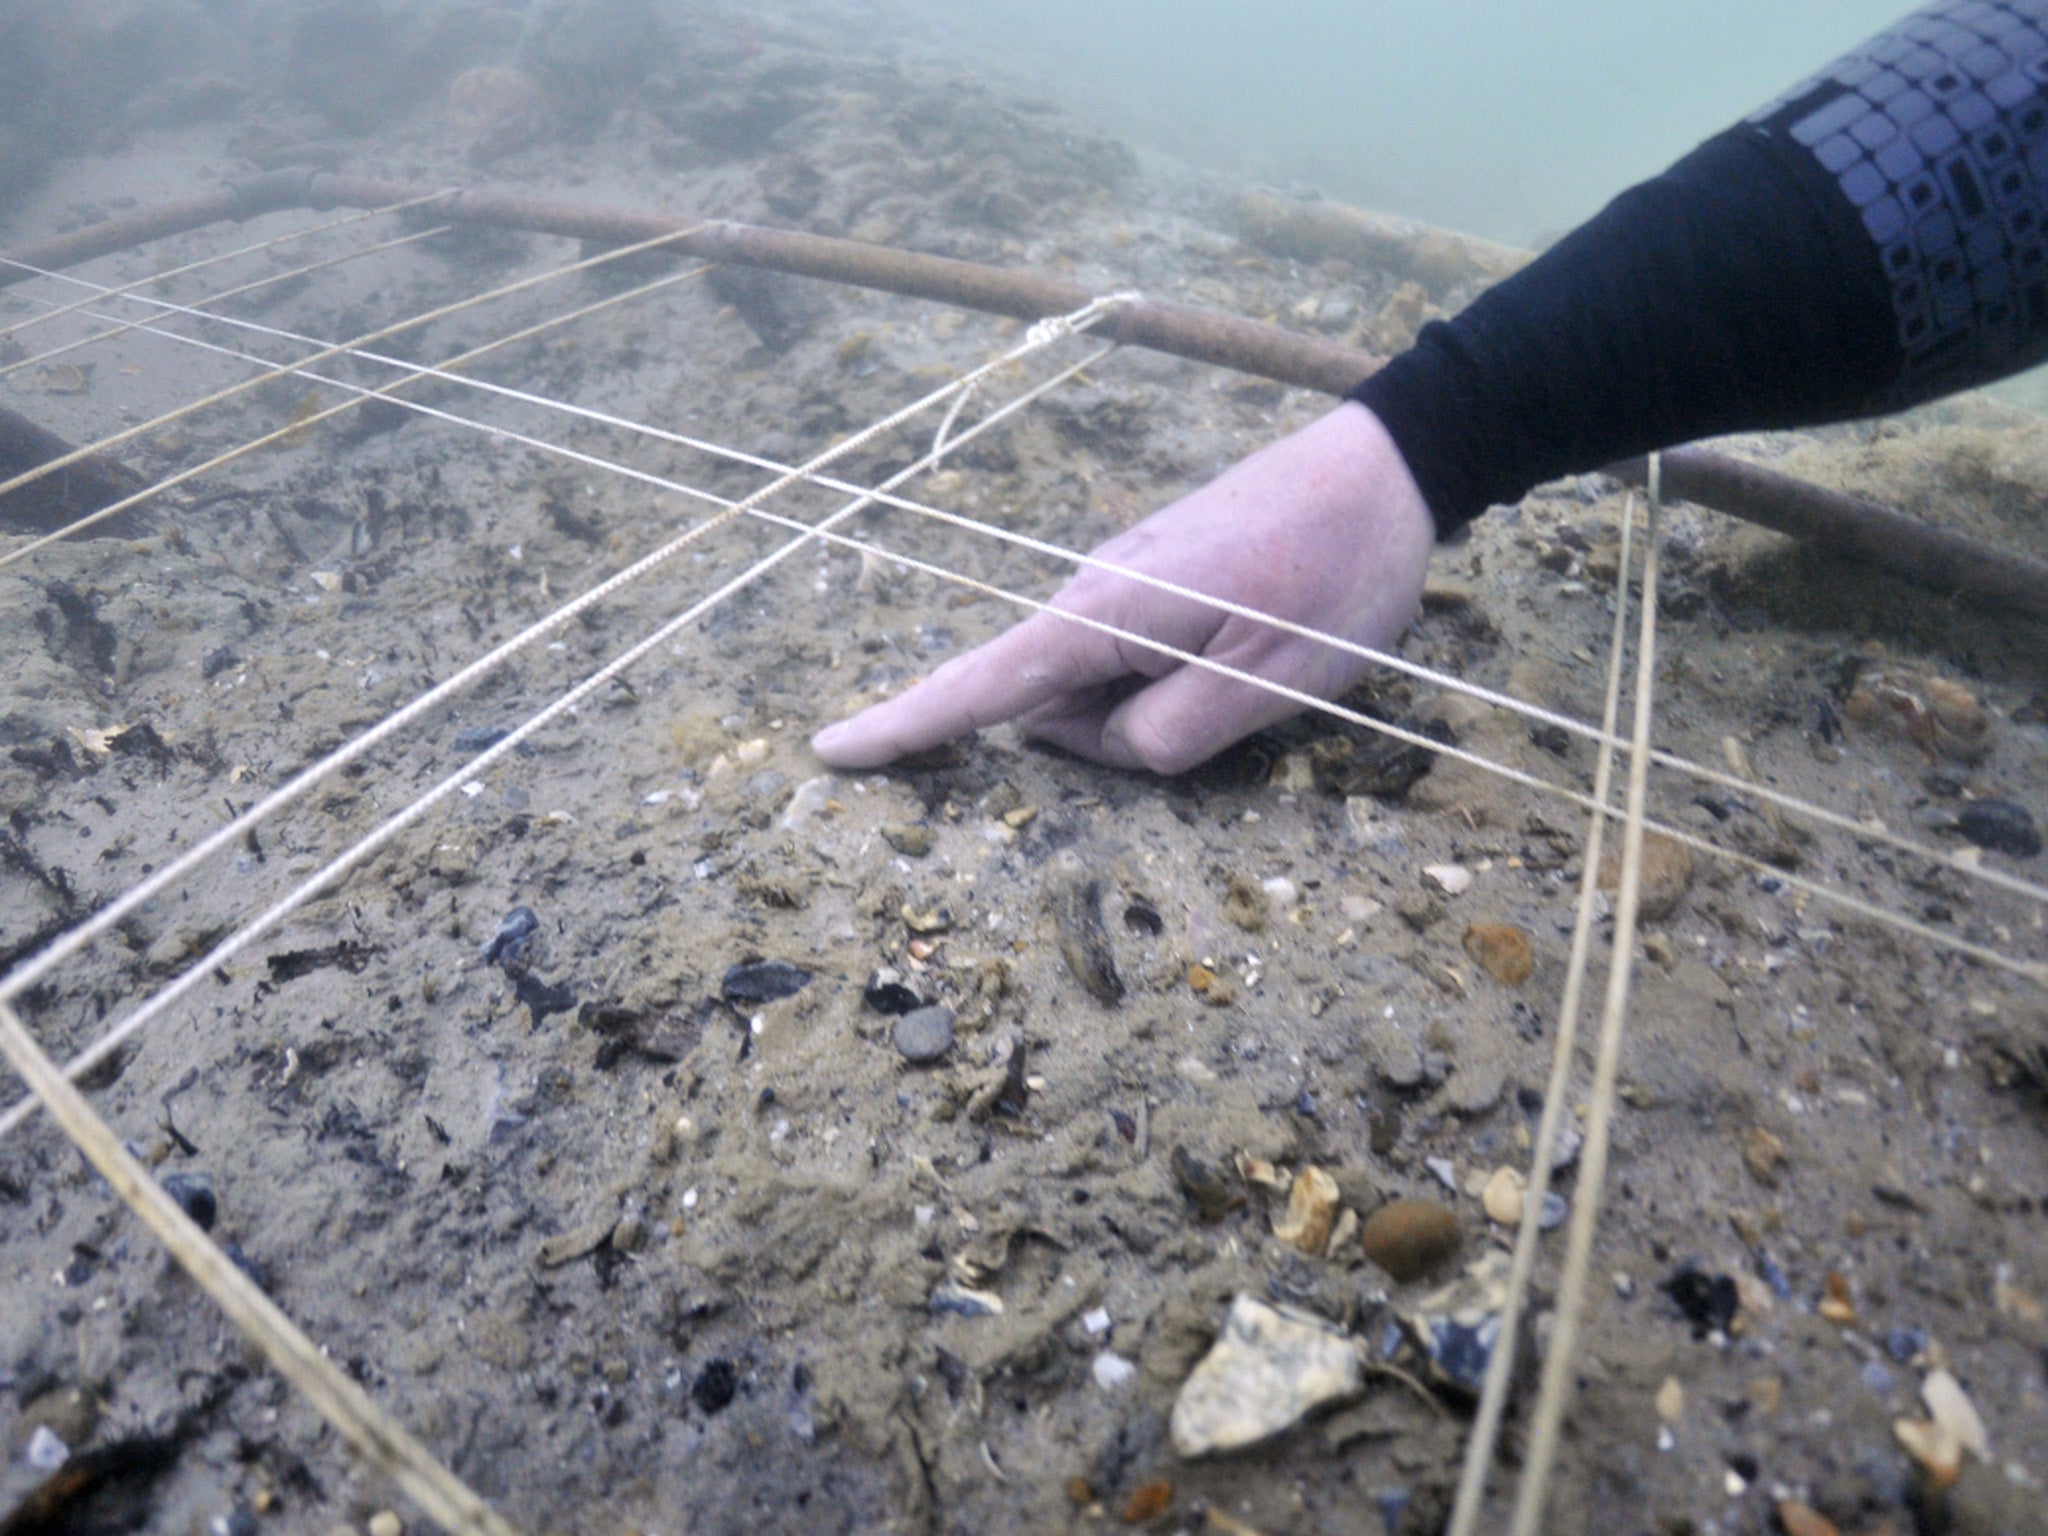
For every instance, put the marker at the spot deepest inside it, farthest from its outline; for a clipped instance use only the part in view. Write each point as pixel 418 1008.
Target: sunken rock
pixel 1409 1238
pixel 1667 871
pixel 1267 1372
pixel 1502 950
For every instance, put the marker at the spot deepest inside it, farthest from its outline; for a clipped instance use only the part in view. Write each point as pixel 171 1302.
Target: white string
pixel 2035 971
pixel 33 968
pixel 1493 1396
pixel 1561 1360
pixel 1958 861
pixel 122 328
pixel 289 236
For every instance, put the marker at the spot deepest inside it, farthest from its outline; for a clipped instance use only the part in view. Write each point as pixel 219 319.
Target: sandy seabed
pixel 634 1246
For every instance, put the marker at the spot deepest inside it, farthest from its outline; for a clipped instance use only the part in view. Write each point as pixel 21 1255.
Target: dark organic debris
pixel 716 1385
pixel 1376 765
pixel 63 496
pixel 763 981
pixel 885 993
pixel 1075 901
pixel 107 1489
pixel 257 1271
pixel 508 945
pixel 195 1197
pixel 1708 1301
pixel 2002 826
pixel 1213 1193
pixel 348 954
pixel 1460 1352
pixel 541 997
pixel 1016 1093
pixel 1142 917
pixel 479 738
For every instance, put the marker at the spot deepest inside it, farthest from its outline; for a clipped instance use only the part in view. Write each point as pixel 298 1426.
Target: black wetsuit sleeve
pixel 1874 238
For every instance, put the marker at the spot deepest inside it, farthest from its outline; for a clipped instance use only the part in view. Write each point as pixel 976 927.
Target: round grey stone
pixel 924 1034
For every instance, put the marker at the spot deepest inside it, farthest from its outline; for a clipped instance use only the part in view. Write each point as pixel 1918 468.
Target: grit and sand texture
pixel 633 1251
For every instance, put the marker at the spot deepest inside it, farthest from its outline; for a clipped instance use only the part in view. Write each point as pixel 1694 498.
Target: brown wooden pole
pixel 1846 526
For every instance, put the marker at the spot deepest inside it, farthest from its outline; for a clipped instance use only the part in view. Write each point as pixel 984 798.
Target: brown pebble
pixel 1079 1493
pixel 1762 1154
pixel 1502 950
pixel 1667 871
pixel 1804 1520
pixel 1148 1501
pixel 1409 1238
pixel 1837 1305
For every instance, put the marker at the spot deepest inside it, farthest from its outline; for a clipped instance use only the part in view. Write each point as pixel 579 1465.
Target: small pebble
pixel 924 1035
pixel 1096 1322
pixel 46 1449
pixel 386 1523
pixel 1671 1400
pixel 1803 1520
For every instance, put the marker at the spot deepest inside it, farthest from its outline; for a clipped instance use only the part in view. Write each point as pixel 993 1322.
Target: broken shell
pixel 1267 1371
pixel 1256 1170
pixel 1311 1211
pixel 1836 1304
pixel 1955 1413
pixel 1503 1196
pixel 1451 879
pixel 1762 1154
pixel 1075 901
pixel 1936 1448
pixel 929 920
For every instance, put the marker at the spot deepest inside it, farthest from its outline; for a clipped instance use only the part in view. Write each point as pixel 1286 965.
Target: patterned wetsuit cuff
pixel 1730 293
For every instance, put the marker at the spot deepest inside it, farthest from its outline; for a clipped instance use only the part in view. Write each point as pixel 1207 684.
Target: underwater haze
pixel 1506 120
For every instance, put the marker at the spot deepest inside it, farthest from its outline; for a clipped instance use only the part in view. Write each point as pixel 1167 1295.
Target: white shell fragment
pixel 1951 1408
pixel 1266 1372
pixel 1451 879
pixel 1112 1370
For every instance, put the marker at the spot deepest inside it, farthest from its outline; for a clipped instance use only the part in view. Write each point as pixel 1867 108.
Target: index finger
pixel 1040 659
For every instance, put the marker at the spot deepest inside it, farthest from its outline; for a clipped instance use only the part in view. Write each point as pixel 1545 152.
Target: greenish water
pixel 1508 120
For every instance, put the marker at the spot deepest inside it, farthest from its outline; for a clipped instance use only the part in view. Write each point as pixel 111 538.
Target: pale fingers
pixel 1041 659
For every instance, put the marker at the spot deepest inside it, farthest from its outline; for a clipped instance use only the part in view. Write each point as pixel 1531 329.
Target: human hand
pixel 1324 528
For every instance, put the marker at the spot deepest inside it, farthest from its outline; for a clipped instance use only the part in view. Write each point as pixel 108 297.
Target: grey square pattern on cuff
pixel 1936 131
